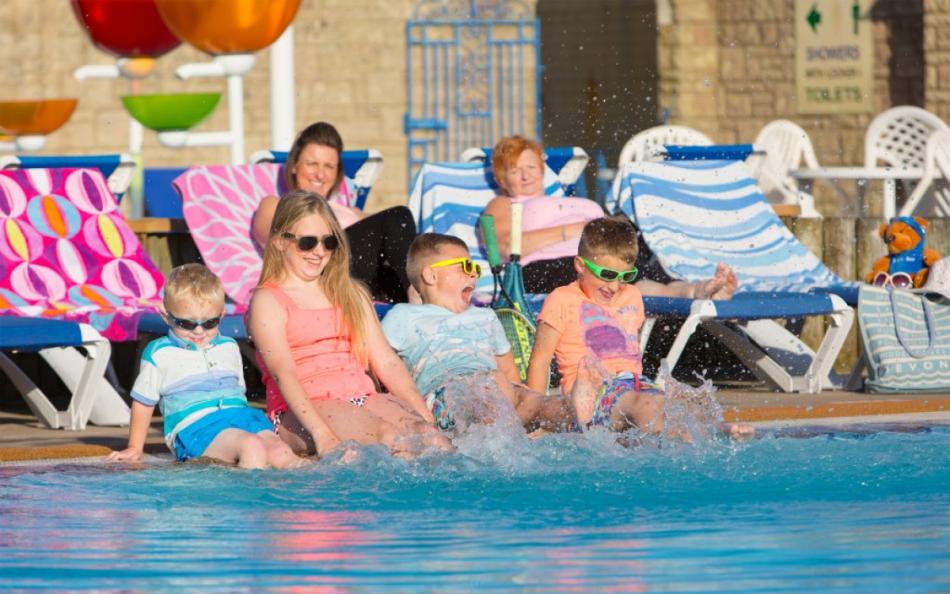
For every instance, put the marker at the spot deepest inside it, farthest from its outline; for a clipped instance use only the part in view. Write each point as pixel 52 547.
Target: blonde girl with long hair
pixel 316 334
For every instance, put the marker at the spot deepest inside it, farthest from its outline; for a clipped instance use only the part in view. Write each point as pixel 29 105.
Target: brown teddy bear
pixel 907 261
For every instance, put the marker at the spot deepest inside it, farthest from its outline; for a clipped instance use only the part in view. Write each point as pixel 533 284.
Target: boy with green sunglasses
pixel 592 327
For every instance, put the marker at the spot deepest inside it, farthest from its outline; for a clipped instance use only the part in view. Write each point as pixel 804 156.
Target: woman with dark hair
pixel 380 241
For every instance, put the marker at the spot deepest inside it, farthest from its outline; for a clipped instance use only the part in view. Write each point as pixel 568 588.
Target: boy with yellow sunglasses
pixel 450 346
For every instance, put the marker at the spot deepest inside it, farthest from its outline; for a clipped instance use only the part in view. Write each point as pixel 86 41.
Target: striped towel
pixel 695 214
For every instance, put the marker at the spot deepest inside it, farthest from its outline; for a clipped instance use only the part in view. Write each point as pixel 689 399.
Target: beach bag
pixel 906 339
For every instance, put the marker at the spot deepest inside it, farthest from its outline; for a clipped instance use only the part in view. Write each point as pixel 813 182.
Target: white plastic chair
pixel 786 145
pixel 898 137
pixel 647 145
pixel 936 166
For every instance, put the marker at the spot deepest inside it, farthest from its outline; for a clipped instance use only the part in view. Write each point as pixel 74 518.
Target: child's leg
pixel 346 421
pixel 524 401
pixel 586 390
pixel 391 410
pixel 290 431
pixel 279 454
pixel 404 422
pixel 533 408
pixel 236 446
pixel 621 404
pixel 229 435
pixel 643 410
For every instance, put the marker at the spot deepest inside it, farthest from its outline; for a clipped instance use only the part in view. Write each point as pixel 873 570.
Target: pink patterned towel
pixel 66 252
pixel 219 203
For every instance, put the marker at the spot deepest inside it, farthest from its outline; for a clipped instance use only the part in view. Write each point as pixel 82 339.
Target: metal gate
pixel 473 75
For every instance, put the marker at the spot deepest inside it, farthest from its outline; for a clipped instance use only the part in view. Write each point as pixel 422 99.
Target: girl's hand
pixel 426 414
pixel 128 454
pixel 326 441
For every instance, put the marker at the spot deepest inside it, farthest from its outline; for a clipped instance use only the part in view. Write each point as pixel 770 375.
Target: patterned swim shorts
pixel 444 419
pixel 611 391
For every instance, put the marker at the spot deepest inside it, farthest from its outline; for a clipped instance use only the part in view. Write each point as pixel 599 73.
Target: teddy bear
pixel 906 253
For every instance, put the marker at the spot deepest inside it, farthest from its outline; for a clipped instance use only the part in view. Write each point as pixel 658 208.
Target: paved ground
pixel 23 438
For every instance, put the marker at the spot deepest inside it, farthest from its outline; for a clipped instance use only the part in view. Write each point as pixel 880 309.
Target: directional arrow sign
pixel 834 56
pixel 814 18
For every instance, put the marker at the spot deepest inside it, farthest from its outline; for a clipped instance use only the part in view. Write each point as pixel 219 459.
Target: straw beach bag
pixel 906 340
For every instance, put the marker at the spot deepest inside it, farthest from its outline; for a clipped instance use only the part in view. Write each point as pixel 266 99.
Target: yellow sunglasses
pixel 468 266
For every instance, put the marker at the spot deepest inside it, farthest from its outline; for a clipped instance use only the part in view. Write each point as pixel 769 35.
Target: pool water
pixel 835 511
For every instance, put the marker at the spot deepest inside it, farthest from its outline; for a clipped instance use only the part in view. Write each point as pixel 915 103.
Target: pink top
pixel 609 333
pixel 323 359
pixel 541 212
pixel 344 215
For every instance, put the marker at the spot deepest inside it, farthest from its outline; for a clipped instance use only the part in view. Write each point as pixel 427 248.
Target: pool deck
pixel 23 438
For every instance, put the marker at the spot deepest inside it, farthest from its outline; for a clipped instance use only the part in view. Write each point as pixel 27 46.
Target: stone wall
pixel 728 68
pixel 936 40
pixel 689 64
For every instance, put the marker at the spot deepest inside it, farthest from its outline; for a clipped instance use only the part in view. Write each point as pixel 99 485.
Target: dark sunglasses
pixel 209 324
pixel 609 274
pixel 306 243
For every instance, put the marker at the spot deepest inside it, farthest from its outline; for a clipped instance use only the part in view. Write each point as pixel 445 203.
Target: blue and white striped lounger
pixel 449 197
pixel 695 214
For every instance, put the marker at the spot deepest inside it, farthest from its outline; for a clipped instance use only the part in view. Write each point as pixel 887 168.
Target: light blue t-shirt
pixel 437 344
pixel 188 382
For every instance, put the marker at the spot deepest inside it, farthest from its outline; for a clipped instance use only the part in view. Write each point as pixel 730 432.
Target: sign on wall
pixel 834 56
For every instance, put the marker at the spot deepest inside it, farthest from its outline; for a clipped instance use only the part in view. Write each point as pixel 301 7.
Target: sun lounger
pixel 118 169
pixel 21 334
pixel 76 260
pixel 219 202
pixel 361 168
pixel 568 162
pixel 161 198
pixel 695 214
pixel 449 198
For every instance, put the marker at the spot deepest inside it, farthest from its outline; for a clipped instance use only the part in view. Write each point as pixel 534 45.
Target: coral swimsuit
pixel 323 357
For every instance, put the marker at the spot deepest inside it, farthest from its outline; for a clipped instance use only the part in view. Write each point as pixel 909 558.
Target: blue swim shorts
pixel 193 440
pixel 611 391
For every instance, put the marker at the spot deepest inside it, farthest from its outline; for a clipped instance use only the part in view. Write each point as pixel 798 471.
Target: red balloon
pixel 125 28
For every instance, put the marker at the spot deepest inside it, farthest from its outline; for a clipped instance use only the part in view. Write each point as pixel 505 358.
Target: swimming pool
pixel 832 512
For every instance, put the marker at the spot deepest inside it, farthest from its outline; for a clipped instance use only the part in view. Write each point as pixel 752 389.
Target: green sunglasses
pixel 609 274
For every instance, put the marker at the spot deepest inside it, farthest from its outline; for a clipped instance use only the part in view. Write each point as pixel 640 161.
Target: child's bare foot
pixel 738 430
pixel 585 390
pixel 721 286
